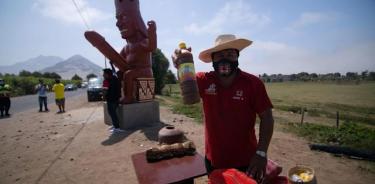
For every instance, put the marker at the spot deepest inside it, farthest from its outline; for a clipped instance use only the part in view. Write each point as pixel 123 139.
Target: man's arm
pixel 258 163
pixel 265 130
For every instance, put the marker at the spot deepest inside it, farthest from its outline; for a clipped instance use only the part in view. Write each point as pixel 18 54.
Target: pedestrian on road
pixel 42 89
pixel 4 98
pixel 231 100
pixel 59 88
pixel 112 94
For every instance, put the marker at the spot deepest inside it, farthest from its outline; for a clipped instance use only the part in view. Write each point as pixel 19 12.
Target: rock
pixel 19 130
pixel 41 121
pixel 71 159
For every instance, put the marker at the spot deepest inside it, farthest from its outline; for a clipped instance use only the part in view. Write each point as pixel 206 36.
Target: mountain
pixel 33 64
pixel 76 64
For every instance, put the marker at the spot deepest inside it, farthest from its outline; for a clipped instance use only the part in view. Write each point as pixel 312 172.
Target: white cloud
pixel 311 18
pixel 66 12
pixel 233 14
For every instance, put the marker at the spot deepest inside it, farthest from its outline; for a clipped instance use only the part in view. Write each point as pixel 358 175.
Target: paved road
pixel 24 103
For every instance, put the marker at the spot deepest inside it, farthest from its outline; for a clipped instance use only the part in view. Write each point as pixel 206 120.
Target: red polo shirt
pixel 229 115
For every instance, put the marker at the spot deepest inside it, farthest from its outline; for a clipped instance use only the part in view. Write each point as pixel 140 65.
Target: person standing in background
pixel 59 88
pixel 42 89
pixel 112 94
pixel 4 98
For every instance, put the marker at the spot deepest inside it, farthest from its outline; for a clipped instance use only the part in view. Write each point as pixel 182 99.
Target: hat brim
pixel 238 44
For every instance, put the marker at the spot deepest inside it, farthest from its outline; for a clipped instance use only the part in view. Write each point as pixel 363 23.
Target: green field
pixel 354 102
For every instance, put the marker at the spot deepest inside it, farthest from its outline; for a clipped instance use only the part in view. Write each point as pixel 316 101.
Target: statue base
pixel 136 115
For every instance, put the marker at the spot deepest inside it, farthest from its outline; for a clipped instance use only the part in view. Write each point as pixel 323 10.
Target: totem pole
pixel 134 60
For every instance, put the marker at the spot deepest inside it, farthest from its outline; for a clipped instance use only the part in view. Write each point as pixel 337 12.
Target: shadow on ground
pixel 151 133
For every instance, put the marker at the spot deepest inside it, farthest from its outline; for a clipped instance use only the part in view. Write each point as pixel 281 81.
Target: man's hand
pixel 176 56
pixel 257 168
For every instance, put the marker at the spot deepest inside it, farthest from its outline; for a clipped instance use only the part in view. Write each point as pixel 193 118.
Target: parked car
pixel 70 87
pixel 95 89
pixel 84 84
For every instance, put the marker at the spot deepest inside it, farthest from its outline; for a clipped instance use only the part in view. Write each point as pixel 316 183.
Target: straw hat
pixel 222 42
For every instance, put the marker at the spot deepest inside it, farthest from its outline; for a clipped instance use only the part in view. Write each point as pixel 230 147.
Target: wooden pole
pixel 302 114
pixel 337 119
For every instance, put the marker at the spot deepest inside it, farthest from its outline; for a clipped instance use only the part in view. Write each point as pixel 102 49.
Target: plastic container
pixel 302 175
pixel 186 76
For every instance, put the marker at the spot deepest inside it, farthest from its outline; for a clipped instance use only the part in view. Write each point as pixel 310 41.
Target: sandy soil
pixel 76 147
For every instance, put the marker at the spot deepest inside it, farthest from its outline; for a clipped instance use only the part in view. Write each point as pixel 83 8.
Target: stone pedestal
pixel 136 115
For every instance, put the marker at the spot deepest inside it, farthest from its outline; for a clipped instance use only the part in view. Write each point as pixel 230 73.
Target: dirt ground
pixel 76 147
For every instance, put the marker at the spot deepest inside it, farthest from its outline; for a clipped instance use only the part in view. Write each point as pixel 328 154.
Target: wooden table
pixel 168 171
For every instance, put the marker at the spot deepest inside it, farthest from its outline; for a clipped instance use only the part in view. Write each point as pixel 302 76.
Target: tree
pixel 160 66
pixel 293 77
pixel 170 78
pixel 352 75
pixel 304 76
pixel 37 74
pixel 24 73
pixel 314 75
pixel 364 75
pixel 52 75
pixel 91 75
pixel 337 75
pixel 371 76
pixel 76 77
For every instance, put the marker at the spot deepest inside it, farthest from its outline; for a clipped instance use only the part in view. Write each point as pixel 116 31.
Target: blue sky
pixel 289 36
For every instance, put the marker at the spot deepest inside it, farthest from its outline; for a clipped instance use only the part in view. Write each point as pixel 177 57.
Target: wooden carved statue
pixel 134 60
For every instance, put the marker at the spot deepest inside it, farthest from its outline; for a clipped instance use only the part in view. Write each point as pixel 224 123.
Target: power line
pixel 80 13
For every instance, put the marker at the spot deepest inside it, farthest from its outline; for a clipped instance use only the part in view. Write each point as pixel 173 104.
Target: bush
pixel 349 134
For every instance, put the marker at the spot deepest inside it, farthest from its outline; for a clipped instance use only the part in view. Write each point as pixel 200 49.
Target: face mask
pixel 225 67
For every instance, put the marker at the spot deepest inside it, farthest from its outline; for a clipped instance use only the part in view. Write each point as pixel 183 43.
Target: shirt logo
pixel 211 90
pixel 238 95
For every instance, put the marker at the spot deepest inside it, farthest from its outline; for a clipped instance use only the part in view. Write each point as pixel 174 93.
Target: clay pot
pixel 170 135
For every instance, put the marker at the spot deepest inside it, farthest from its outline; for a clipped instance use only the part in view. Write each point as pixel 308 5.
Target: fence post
pixel 302 114
pixel 337 119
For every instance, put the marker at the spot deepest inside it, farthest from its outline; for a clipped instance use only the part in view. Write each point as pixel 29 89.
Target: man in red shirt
pixel 231 100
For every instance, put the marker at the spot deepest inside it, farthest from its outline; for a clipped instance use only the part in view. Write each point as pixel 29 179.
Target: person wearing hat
pixel 231 100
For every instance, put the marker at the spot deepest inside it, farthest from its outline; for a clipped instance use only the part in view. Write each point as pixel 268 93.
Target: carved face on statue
pixel 126 26
pixel 129 19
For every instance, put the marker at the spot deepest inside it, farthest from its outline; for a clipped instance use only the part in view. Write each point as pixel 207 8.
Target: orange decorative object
pixel 229 176
pixel 134 60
